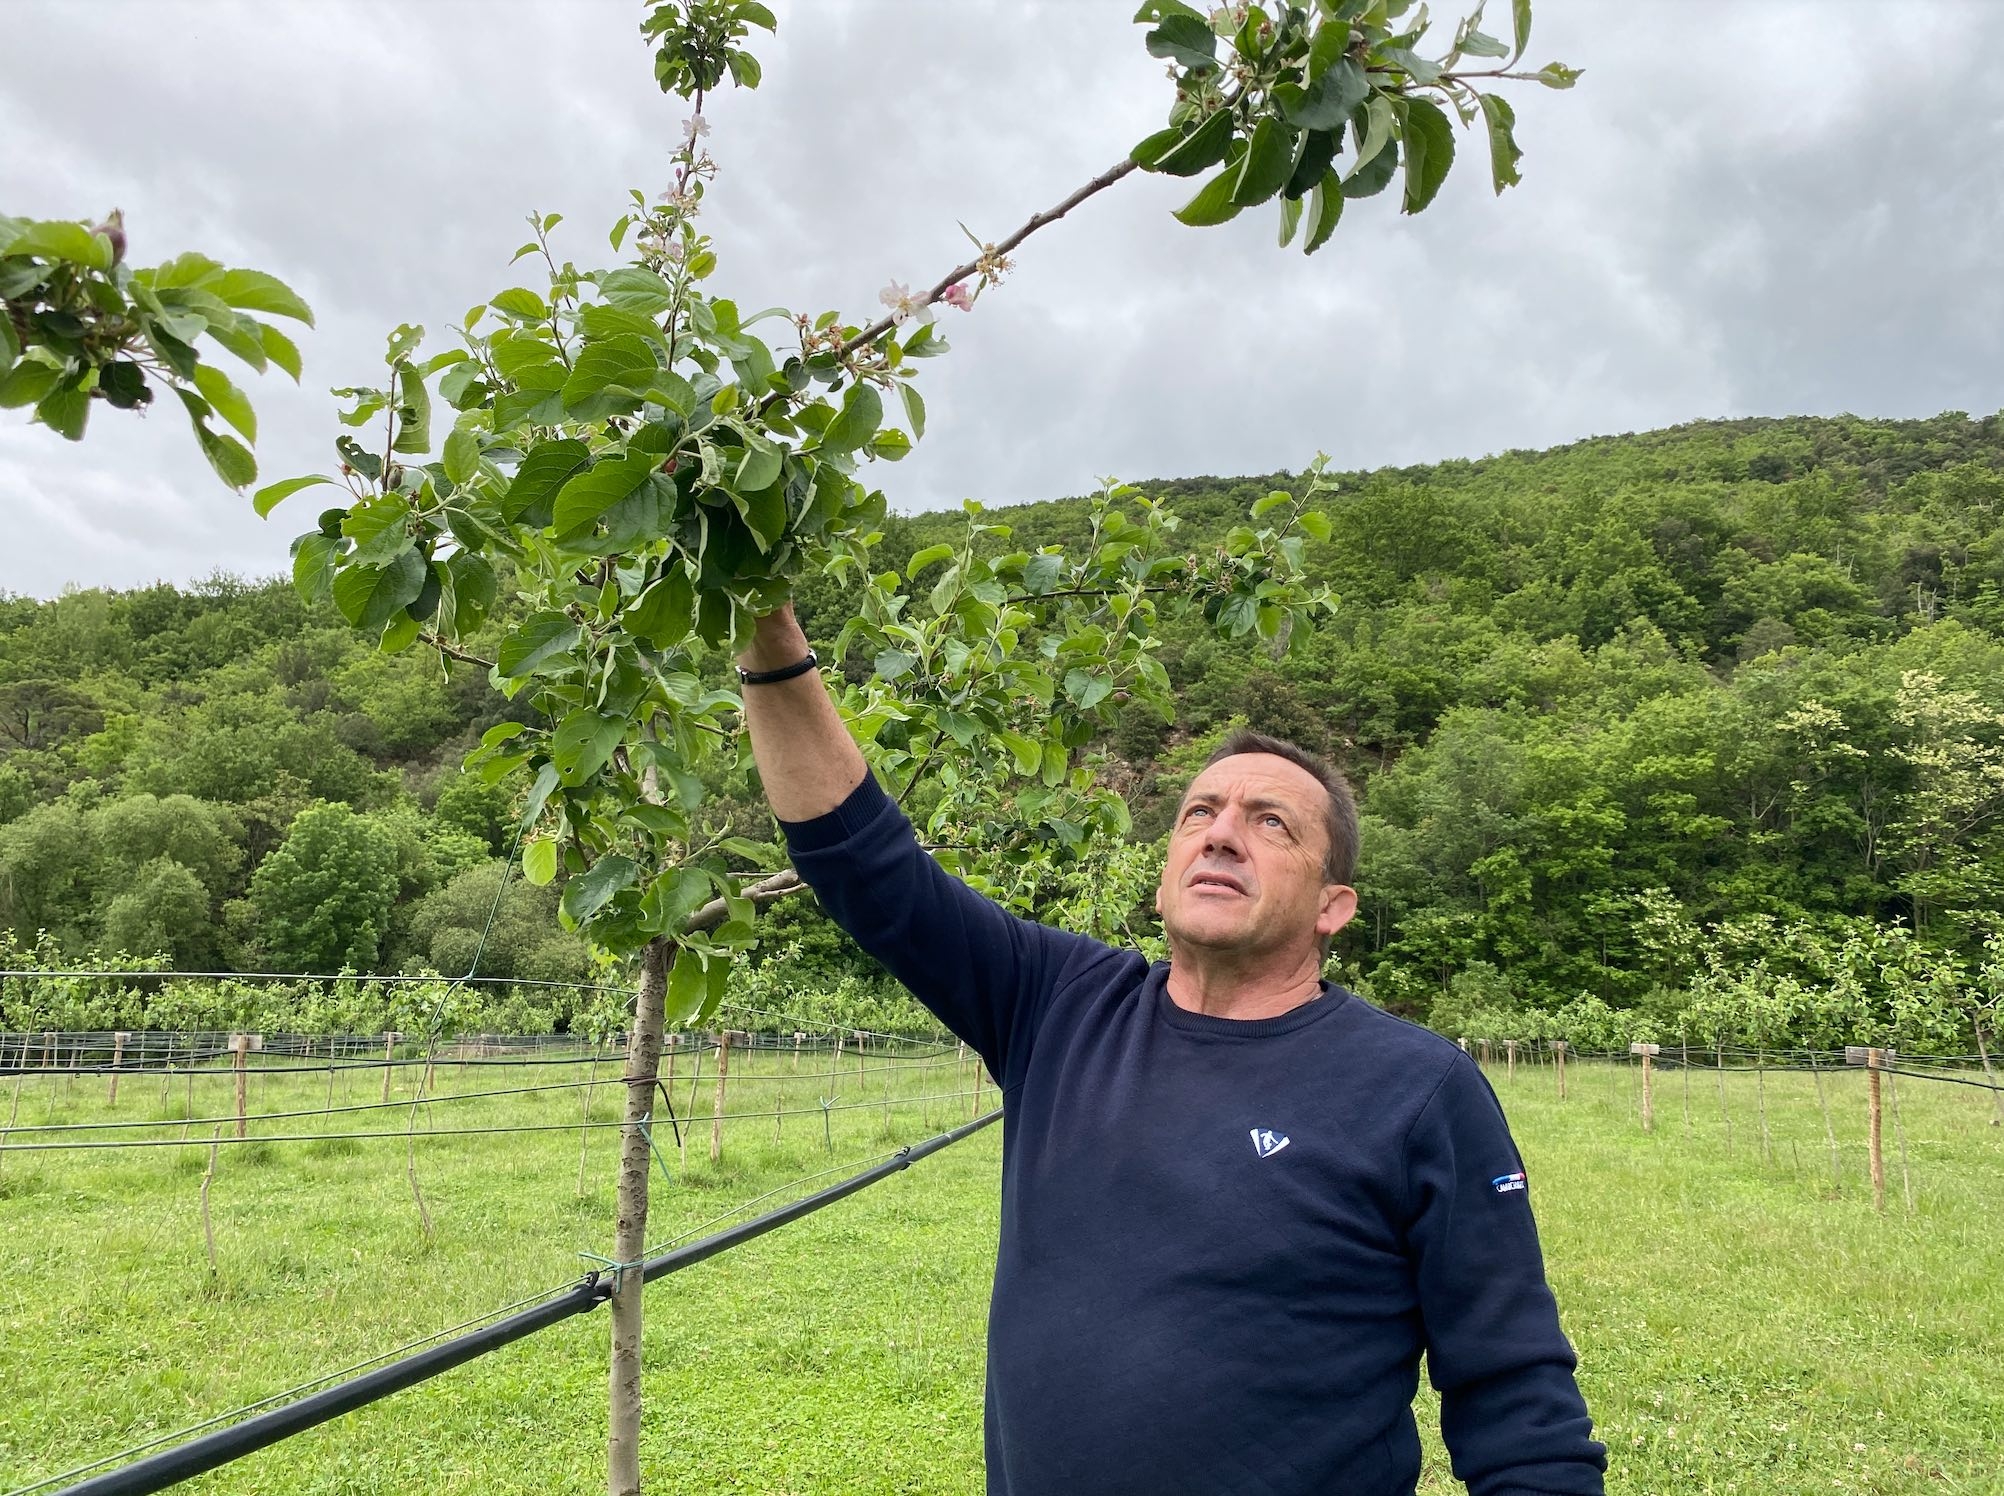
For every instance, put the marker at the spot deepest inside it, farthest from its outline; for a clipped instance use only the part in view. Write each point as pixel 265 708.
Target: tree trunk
pixel 643 1061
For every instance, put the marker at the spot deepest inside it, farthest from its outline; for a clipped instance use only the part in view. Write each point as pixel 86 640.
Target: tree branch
pixel 761 893
pixel 453 650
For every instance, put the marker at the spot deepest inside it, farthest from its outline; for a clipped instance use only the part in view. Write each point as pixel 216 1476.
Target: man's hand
pixel 806 758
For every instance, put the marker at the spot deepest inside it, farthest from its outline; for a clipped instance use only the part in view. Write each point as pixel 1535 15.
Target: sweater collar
pixel 1156 990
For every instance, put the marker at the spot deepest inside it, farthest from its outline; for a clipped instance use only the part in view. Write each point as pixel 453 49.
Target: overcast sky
pixel 1757 207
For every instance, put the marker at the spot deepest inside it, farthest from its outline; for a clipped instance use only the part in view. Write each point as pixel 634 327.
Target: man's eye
pixel 1196 810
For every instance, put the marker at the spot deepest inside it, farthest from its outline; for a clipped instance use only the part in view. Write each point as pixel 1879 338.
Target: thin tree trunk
pixel 1996 1096
pixel 643 1062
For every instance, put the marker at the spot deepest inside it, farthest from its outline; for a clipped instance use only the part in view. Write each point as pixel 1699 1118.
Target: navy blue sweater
pixel 1225 1243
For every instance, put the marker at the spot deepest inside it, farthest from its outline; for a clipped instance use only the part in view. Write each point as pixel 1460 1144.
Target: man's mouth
pixel 1222 881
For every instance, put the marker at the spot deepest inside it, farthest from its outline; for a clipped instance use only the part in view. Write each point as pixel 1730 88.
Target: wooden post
pixel 717 1110
pixel 1684 1061
pixel 1760 1101
pixel 1559 1064
pixel 208 1228
pixel 797 1037
pixel 1996 1094
pixel 979 1072
pixel 1510 1048
pixel 1648 1053
pixel 1719 1054
pixel 1873 1060
pixel 835 1066
pixel 239 1048
pixel 389 1053
pixel 636 1164
pixel 117 1058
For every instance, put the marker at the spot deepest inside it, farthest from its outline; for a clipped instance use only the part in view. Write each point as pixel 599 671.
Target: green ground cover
pixel 1744 1323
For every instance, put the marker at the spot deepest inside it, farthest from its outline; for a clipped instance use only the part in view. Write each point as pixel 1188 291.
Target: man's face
pixel 1245 860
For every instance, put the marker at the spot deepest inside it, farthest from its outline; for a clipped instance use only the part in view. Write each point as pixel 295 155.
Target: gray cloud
pixel 1761 208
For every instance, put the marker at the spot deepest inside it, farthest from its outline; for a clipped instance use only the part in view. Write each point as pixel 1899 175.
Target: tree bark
pixel 643 1062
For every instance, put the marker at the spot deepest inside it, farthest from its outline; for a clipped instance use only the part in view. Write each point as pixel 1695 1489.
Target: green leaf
pixel 547 468
pixel 539 863
pixel 758 468
pixel 462 450
pixel 60 240
pixel 413 413
pixel 26 384
pixel 1056 761
pixel 666 611
pixel 280 349
pixel 1317 150
pixel 1264 168
pixel 269 497
pixel 1185 155
pixel 582 744
pixel 673 897
pixel 538 796
pixel 1040 574
pixel 1558 75
pixel 1429 152
pixel 637 290
pixel 230 402
pixel 1027 751
pixel 1501 121
pixel 588 495
pixel 10 345
pixel 314 557
pixel 542 637
pixel 254 291
pixel 1186 41
pixel 1375 174
pixel 1265 506
pixel 589 891
pixel 1315 523
pixel 1325 211
pixel 627 360
pixel 528 363
pixel 922 559
pixel 228 456
pixel 1332 41
pixel 1480 44
pixel 1327 101
pixel 369 596
pixel 474 588
pixel 184 270
pixel 1086 689
pixel 1213 203
pixel 67 409
pixel 914 410
pixel 1520 26
pixel 518 301
pixel 861 414
pixel 688 987
pixel 1290 219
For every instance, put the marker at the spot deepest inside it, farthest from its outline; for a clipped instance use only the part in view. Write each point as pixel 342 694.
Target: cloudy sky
pixel 1752 207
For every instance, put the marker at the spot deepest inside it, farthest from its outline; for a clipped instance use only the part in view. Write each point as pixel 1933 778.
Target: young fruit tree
pixel 645 469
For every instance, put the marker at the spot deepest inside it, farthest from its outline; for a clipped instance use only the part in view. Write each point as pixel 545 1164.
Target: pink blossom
pixel 957 295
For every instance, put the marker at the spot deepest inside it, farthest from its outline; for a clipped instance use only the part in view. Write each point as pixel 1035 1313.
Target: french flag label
pixel 1505 1183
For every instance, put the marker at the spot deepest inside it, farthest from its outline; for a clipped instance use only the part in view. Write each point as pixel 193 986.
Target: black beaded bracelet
pixel 774 677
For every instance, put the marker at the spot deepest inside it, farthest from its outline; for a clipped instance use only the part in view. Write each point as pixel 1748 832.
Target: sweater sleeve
pixel 1511 1413
pixel 985 973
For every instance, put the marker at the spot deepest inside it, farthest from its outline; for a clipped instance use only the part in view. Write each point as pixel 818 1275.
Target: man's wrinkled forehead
pixel 1258 776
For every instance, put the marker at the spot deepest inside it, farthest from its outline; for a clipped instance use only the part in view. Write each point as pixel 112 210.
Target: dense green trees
pixel 1631 718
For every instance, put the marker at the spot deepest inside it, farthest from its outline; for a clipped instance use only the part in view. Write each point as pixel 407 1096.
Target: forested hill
pixel 1616 709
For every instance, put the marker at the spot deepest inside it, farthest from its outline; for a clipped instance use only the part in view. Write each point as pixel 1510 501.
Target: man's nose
pixel 1223 833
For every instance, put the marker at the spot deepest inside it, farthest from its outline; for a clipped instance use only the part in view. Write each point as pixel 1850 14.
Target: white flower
pixel 692 127
pixel 903 304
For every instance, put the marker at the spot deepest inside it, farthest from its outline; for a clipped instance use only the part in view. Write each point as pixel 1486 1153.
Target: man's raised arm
pixel 806 758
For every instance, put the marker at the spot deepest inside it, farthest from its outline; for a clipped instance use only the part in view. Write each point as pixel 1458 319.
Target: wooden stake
pixel 1899 1132
pixel 1760 1101
pixel 1510 1048
pixel 1720 1071
pixel 1648 1053
pixel 717 1109
pixel 117 1058
pixel 389 1053
pixel 1829 1131
pixel 1873 1060
pixel 1559 1064
pixel 239 1048
pixel 1996 1095
pixel 979 1073
pixel 797 1037
pixel 835 1066
pixel 643 1064
pixel 1685 1062
pixel 208 1229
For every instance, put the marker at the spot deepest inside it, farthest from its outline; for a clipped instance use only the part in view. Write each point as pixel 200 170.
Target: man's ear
pixel 1339 907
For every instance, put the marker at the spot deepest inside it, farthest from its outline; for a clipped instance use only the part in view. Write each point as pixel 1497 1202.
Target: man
pixel 1237 1201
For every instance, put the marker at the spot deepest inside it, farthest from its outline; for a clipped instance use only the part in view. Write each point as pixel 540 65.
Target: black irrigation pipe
pixel 1953 1080
pixel 157 1472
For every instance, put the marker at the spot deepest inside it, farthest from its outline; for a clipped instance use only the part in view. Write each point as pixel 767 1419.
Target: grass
pixel 1745 1323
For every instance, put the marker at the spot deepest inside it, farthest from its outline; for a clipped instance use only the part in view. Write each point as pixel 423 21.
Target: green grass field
pixel 1744 1325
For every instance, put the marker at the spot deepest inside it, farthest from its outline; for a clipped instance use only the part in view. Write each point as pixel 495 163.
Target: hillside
pixel 1608 705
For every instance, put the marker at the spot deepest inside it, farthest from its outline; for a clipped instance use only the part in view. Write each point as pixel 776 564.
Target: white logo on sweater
pixel 1267 1142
